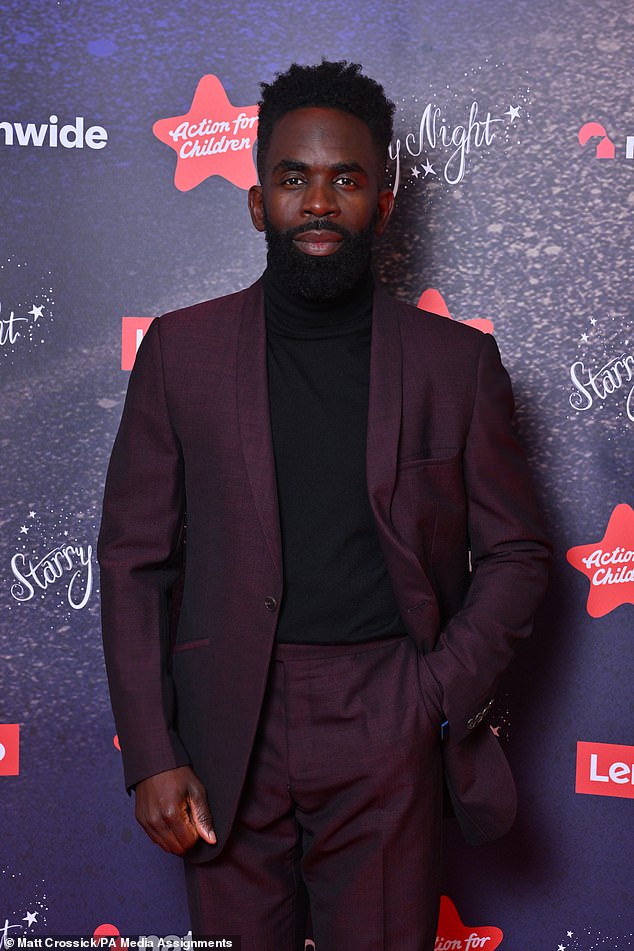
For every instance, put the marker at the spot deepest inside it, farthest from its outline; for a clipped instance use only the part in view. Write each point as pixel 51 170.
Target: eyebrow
pixel 294 165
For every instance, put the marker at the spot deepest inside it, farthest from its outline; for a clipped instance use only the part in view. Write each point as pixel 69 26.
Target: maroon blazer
pixel 457 520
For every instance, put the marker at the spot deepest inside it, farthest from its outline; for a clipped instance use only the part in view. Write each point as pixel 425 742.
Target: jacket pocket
pixel 181 646
pixel 430 455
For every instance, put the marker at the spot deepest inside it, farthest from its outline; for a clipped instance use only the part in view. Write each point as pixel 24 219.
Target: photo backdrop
pixel 126 148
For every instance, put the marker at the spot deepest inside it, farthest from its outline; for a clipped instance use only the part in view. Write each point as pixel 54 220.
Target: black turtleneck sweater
pixel 336 588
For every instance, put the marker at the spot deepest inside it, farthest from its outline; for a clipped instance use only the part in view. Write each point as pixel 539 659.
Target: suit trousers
pixel 341 813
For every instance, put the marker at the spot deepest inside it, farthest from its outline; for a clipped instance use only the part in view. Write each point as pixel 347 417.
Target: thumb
pixel 200 815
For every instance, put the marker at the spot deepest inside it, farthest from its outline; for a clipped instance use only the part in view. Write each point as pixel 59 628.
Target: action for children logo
pixel 53 564
pixel 26 308
pixel 432 300
pixel 448 130
pixel 213 138
pixel 609 564
pixel 452 935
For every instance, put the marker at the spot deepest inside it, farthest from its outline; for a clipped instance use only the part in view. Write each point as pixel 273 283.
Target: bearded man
pixel 319 548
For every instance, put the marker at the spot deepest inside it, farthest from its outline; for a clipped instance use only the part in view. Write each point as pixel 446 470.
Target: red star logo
pixel 213 138
pixel 609 564
pixel 453 934
pixel 433 301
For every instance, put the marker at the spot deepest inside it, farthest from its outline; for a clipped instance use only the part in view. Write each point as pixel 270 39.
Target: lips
pixel 318 242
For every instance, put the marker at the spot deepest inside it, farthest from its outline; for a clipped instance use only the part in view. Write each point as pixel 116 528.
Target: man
pixel 362 552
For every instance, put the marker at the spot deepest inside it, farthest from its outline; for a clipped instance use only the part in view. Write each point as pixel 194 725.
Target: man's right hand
pixel 172 808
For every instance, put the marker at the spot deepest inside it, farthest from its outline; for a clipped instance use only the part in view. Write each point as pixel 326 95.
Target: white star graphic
pixel 32 515
pixel 593 321
pixel 513 113
pixel 24 530
pixel 584 338
pixel 36 312
pixel 415 172
pixel 30 918
pixel 429 169
pixel 561 948
pixel 569 934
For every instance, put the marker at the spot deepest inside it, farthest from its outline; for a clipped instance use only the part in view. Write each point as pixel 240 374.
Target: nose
pixel 320 199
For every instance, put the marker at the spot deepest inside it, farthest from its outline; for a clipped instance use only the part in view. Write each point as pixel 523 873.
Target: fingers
pixel 200 815
pixel 172 808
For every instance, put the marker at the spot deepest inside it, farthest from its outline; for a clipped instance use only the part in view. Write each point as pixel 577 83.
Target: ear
pixel 256 208
pixel 384 207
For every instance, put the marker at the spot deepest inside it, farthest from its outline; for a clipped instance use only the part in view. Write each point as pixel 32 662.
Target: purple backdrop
pixel 513 156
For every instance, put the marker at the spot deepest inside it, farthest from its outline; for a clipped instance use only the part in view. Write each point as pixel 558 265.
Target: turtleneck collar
pixel 292 316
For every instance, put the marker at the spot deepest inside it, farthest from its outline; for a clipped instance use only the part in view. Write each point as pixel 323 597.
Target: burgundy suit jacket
pixel 191 563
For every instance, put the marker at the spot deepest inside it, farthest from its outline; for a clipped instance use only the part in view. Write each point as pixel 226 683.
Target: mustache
pixel 318 224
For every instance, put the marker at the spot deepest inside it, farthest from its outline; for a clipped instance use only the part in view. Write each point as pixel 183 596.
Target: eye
pixel 292 181
pixel 345 181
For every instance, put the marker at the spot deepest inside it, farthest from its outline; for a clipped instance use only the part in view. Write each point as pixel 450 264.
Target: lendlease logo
pixel 133 330
pixel 71 135
pixel 605 147
pixel 605 769
pixel 9 749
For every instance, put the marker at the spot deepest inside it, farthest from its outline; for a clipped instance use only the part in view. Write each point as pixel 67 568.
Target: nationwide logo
pixel 70 135
pixel 9 749
pixel 433 301
pixel 609 564
pixel 605 769
pixel 452 935
pixel 604 146
pixel 213 138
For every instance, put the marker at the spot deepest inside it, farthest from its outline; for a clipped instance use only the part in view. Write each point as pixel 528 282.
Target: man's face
pixel 321 201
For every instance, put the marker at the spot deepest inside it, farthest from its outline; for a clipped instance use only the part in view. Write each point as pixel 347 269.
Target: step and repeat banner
pixel 126 148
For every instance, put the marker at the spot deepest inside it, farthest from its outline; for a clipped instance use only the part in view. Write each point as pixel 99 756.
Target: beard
pixel 314 277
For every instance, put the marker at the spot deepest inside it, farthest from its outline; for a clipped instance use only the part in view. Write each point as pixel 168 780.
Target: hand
pixel 172 808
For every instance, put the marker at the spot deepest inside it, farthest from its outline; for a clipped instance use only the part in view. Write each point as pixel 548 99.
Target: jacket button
pixel 270 604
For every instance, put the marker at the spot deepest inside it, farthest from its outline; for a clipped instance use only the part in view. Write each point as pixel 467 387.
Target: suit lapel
pixel 254 418
pixel 384 428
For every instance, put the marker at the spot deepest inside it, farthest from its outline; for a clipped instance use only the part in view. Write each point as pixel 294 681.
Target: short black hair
pixel 330 85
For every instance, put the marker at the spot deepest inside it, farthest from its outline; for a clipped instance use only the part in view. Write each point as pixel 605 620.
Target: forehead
pixel 321 136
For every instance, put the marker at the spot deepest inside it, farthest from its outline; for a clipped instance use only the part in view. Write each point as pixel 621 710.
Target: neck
pixel 291 314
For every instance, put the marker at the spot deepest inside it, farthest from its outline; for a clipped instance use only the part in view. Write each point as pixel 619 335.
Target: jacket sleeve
pixel 509 556
pixel 139 551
